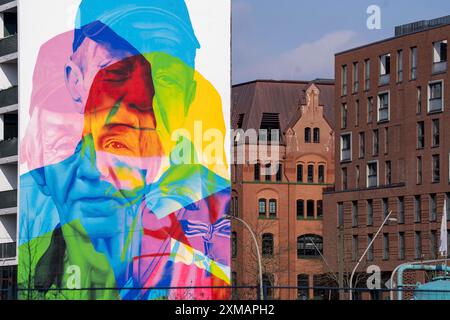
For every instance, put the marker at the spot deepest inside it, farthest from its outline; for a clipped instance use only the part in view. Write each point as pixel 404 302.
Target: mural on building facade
pixel 124 183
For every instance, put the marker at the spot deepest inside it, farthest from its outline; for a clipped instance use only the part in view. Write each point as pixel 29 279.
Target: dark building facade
pixel 392 108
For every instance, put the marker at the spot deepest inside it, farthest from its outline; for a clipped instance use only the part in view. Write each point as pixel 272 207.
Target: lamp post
pixel 258 254
pixel 365 252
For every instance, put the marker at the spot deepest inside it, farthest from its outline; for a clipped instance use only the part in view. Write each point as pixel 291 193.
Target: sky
pixel 297 39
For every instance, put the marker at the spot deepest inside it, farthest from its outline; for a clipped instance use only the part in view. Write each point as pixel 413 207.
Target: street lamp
pixel 258 254
pixel 367 249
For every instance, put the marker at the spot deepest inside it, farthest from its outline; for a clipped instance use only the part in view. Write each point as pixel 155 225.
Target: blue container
pixel 440 286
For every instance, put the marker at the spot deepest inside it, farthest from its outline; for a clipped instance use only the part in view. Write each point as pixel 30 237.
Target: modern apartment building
pixel 8 146
pixel 284 206
pixel 392 107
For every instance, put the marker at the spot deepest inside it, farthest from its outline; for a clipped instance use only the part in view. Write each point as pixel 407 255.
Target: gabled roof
pixel 284 97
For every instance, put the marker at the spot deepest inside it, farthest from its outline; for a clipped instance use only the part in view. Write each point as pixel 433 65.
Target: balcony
pixel 439 67
pixel 384 79
pixel 8 45
pixel 9 97
pixel 8 199
pixel 8 148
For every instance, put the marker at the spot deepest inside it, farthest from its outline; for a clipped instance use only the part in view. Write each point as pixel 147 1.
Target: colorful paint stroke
pixel 124 182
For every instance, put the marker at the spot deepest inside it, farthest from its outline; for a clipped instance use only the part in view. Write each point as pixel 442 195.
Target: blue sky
pixel 297 39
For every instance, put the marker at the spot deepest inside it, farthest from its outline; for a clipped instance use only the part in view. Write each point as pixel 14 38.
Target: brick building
pixel 392 149
pixel 284 207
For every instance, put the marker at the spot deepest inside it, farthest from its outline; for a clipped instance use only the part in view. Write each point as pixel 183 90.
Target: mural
pixel 124 182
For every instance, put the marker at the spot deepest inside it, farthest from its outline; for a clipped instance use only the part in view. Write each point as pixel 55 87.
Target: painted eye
pixel 116 145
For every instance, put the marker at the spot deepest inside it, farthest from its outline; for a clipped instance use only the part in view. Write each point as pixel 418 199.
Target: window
pixel 257 172
pixel 340 208
pixel 262 207
pixel 420 135
pixel 355 248
pixel 310 209
pixel 418 245
pixel 319 208
pixel 303 287
pixel 300 209
pixel 355 77
pixel 413 63
pixel 386 140
pixel 372 174
pixel 240 121
pixel 356 113
pixel 362 144
pixel 385 69
pixel 370 212
pixel 419 169
pixel 375 142
pixel 233 244
pixel 346 147
pixel 267 244
pixel 299 173
pixel 385 203
pixel 401 246
pixel 436 133
pixel 268 283
pixel 272 208
pixel 7 250
pixel 399 65
pixel 440 56
pixel 433 207
pixel 310 173
pixel 354 214
pixel 417 210
pixel 436 169
pixel 309 245
pixel 447 203
pixel 419 100
pixel 279 174
pixel 369 109
pixel 358 176
pixel 307 135
pixel 316 135
pixel 234 207
pixel 401 210
pixel 321 173
pixel 367 74
pixel 435 94
pixel 386 246
pixel 433 244
pixel 383 107
pixel 344 179
pixel 344 116
pixel 270 127
pixel 267 173
pixel 344 80
pixel 388 173
pixel 370 249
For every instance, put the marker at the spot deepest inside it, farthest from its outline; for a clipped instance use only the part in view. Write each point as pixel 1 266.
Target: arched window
pixel 309 245
pixel 310 173
pixel 307 135
pixel 299 173
pixel 272 208
pixel 262 207
pixel 300 209
pixel 321 178
pixel 267 244
pixel 268 283
pixel 233 244
pixel 316 135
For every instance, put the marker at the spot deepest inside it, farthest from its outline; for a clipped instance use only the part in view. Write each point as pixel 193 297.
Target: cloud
pixel 307 61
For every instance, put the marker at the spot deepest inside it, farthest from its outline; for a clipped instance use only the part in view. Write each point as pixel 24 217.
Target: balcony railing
pixel 439 67
pixel 8 45
pixel 8 199
pixel 8 148
pixel 384 79
pixel 9 97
